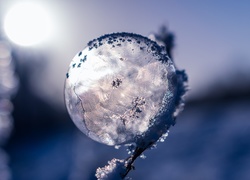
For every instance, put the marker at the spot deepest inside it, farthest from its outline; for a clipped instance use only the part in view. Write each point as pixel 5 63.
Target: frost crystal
pixel 117 146
pixel 130 148
pixel 122 88
pixel 163 137
pixel 113 171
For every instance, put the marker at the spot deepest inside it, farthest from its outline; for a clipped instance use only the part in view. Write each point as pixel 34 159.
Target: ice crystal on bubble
pixel 121 89
pixel 124 89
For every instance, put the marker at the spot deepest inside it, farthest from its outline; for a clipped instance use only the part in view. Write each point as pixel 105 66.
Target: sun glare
pixel 27 24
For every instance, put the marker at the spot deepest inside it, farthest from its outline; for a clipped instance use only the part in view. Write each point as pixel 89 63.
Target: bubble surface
pixel 119 87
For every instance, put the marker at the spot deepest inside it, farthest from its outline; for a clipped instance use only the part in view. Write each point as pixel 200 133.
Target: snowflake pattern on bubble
pixel 119 88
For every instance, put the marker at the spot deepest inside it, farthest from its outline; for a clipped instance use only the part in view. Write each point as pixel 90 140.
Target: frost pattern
pixel 112 171
pixel 163 137
pixel 124 89
pixel 119 87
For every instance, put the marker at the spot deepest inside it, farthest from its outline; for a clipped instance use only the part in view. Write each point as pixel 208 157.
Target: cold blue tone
pixel 211 137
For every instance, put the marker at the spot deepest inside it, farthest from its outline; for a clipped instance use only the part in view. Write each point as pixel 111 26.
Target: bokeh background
pixel 211 137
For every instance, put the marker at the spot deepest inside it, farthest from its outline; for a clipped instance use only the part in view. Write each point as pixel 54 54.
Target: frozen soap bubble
pixel 121 89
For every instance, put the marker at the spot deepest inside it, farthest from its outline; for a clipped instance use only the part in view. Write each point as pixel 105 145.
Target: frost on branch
pixel 124 89
pixel 113 171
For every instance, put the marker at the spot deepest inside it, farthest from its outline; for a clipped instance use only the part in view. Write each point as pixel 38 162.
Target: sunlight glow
pixel 27 24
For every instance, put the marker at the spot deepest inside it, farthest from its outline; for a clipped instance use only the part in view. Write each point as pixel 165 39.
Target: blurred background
pixel 209 39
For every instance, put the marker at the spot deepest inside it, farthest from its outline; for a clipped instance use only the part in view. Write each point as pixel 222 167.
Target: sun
pixel 28 24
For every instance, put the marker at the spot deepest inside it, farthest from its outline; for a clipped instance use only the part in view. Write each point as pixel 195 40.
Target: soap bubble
pixel 121 89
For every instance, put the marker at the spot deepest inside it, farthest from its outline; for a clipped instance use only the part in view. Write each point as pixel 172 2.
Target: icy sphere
pixel 120 87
